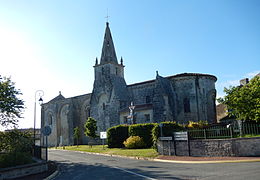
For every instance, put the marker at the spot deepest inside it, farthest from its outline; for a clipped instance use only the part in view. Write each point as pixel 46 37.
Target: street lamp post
pixel 40 93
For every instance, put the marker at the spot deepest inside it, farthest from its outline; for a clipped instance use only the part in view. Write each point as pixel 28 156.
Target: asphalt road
pixel 77 166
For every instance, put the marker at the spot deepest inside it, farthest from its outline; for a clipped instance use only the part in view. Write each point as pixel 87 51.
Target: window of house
pixel 116 71
pixel 147 117
pixel 148 99
pixel 186 104
pixel 104 106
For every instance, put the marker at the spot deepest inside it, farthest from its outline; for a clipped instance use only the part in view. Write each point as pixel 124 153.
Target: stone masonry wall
pixel 213 147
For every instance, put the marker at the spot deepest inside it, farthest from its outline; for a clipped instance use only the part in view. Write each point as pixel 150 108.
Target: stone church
pixel 182 98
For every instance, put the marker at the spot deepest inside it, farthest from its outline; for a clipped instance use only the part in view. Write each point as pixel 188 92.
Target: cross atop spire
pixel 107 16
pixel 108 49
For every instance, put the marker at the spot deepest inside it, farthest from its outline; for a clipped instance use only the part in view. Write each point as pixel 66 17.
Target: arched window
pixel 104 106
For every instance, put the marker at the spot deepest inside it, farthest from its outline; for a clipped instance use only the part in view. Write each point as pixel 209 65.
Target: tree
pixel 76 135
pixel 91 127
pixel 243 102
pixel 10 104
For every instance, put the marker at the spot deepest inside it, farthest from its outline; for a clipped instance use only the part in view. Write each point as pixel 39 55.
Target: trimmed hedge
pixel 149 132
pixel 116 136
pixel 168 129
pixel 144 131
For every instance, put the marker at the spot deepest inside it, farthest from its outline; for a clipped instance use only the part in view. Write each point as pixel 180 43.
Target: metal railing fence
pixel 225 132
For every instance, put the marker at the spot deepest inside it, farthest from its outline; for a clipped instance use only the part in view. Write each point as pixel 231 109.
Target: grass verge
pixel 144 153
pixel 250 135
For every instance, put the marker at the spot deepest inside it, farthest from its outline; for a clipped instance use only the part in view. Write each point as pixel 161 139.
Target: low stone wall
pixel 23 170
pixel 211 147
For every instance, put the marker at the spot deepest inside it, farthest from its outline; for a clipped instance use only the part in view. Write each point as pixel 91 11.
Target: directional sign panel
pixel 181 136
pixel 103 135
pixel 165 138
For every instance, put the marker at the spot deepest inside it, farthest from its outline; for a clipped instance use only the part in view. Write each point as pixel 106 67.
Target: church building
pixel 181 98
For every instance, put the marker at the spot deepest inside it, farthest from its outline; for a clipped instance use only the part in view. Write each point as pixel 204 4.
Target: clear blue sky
pixel 52 45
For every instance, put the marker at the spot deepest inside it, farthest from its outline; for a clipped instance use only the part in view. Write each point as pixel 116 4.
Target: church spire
pixel 108 50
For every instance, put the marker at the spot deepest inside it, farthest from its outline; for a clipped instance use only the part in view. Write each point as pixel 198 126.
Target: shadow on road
pixel 97 171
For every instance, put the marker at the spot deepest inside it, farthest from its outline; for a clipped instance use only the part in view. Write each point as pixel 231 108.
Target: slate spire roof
pixel 108 49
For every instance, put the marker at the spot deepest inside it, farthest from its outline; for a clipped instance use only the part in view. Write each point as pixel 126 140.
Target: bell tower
pixel 108 65
pixel 109 89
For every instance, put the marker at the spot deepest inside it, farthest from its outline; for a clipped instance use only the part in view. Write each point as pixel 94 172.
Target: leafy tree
pixel 91 127
pixel 76 135
pixel 243 102
pixel 10 104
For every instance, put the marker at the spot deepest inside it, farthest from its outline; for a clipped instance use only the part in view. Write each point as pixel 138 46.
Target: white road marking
pixel 146 177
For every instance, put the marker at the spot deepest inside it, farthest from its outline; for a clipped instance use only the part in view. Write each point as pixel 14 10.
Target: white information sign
pixel 181 136
pixel 103 135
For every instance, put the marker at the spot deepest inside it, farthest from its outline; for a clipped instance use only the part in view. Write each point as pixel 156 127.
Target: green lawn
pixel 250 135
pixel 145 153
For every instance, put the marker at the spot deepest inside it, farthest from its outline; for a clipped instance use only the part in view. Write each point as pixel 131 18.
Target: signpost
pixel 181 136
pixel 103 136
pixel 169 139
pixel 46 131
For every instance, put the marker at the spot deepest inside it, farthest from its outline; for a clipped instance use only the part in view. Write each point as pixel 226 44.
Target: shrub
pixel 155 135
pixel 14 159
pixel 91 127
pixel 134 142
pixel 144 131
pixel 168 129
pixel 116 136
pixel 15 141
pixel 15 148
pixel 197 125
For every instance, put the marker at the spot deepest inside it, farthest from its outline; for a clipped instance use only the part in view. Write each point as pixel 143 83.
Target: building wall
pixel 63 115
pixel 141 92
pixel 141 116
pixel 198 91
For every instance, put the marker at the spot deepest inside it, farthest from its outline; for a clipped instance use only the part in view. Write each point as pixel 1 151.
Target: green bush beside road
pixel 15 148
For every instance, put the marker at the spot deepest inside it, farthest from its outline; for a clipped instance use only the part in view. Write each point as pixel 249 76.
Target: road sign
pixel 103 135
pixel 181 136
pixel 165 138
pixel 46 130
